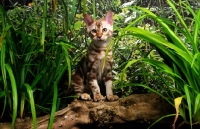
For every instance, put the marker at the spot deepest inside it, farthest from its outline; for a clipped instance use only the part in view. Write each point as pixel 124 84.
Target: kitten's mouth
pixel 100 39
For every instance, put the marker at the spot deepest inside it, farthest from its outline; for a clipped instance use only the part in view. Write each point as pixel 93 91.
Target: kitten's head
pixel 99 30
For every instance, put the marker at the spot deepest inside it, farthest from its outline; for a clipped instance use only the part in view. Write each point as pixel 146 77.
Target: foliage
pixel 42 43
pixel 128 47
pixel 178 44
pixel 35 55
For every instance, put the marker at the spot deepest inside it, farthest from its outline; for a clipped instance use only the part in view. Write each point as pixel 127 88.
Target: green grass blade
pixel 14 94
pixel 22 103
pixel 167 29
pixel 44 22
pixel 178 15
pixel 182 21
pixel 196 25
pixel 187 94
pixel 197 108
pixel 161 65
pixel 32 103
pixel 43 109
pixel 183 113
pixel 160 42
pixel 169 115
pixel 4 107
pixel 196 31
pixel 73 9
pixel 125 68
pixel 36 80
pixel 60 73
pixel 94 9
pixel 135 21
pixel 3 55
pixel 3 69
pixel 23 76
pixel 66 14
pixel 197 104
pixel 107 50
pixel 68 62
pixel 54 105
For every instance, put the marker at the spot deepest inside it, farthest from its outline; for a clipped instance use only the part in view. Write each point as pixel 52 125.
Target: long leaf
pixel 32 103
pixel 94 9
pixel 68 63
pixel 44 22
pixel 177 102
pixel 125 68
pixel 66 12
pixel 188 98
pixel 3 70
pixel 167 29
pixel 160 42
pixel 22 103
pixel 197 104
pixel 180 17
pixel 196 26
pixel 73 9
pixel 54 105
pixel 14 94
pixel 169 115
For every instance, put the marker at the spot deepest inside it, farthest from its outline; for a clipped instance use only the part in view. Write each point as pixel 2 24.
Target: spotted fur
pixel 90 75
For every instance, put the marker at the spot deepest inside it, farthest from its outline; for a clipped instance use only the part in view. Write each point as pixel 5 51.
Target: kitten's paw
pixel 85 96
pixel 112 97
pixel 98 97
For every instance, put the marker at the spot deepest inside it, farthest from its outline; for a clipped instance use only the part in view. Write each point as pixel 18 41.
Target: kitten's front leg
pixel 78 86
pixel 96 90
pixel 109 87
pixel 94 86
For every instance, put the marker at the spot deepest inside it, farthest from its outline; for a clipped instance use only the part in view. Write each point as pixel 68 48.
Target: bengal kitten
pixel 90 73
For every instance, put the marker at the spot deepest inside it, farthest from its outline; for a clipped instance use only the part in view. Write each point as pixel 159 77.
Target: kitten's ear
pixel 108 17
pixel 88 20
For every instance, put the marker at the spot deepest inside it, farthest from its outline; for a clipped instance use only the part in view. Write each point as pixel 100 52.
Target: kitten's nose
pixel 99 37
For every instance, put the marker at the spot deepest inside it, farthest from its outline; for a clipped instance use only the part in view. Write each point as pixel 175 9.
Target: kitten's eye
pixel 104 30
pixel 94 31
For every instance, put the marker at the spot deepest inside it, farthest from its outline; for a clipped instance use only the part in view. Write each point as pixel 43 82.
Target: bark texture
pixel 137 108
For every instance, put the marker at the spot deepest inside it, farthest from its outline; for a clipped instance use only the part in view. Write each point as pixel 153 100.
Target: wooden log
pixel 137 108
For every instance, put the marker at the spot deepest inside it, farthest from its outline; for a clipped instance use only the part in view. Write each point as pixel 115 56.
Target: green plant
pixel 35 55
pixel 178 44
